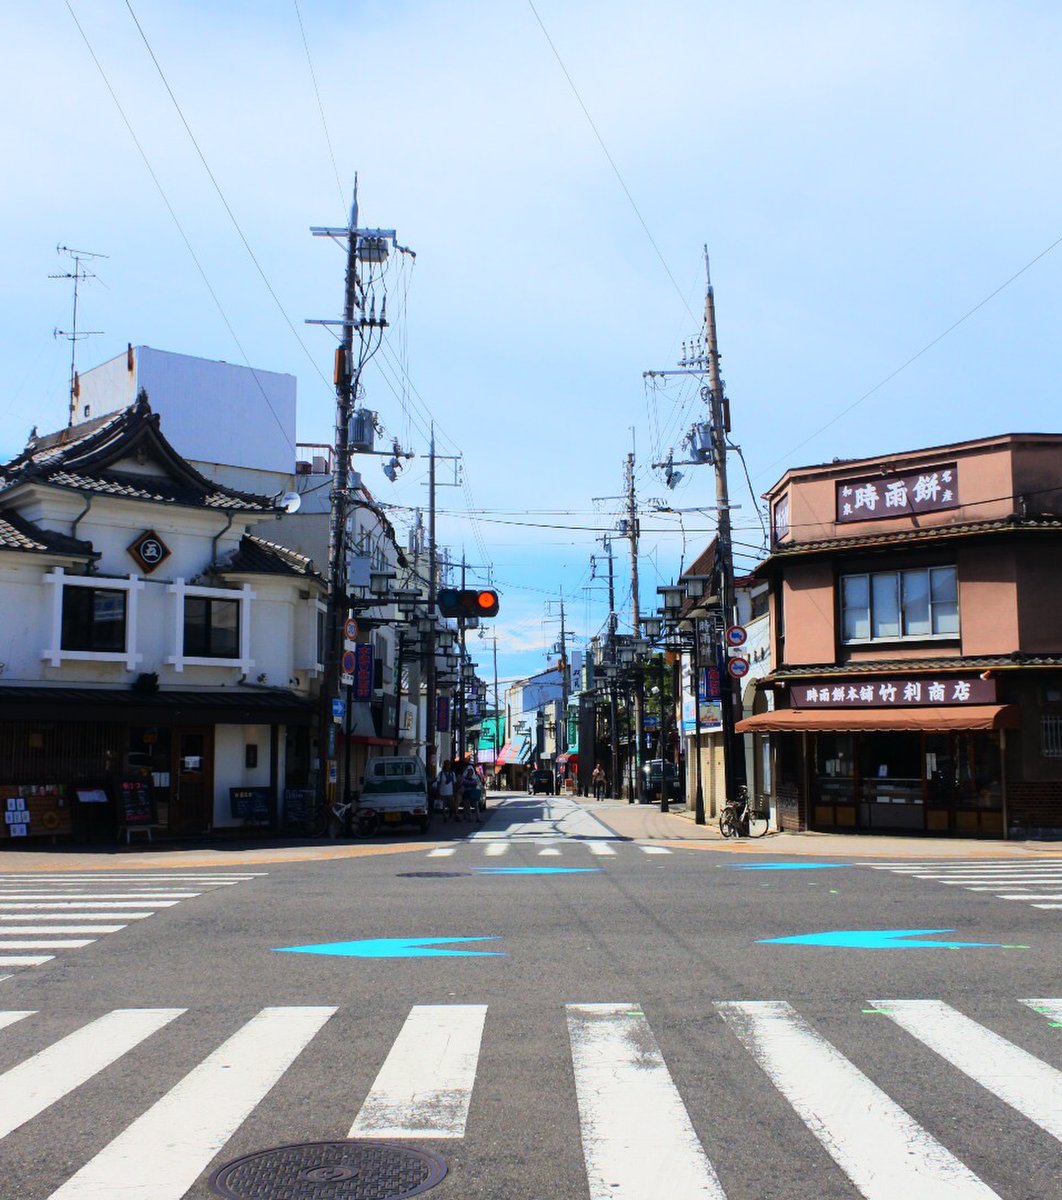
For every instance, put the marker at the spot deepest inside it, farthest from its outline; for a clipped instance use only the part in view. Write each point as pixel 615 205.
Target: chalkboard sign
pixel 136 803
pixel 249 803
pixel 298 806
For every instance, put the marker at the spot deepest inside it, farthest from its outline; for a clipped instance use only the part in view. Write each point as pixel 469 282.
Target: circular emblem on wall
pixel 149 550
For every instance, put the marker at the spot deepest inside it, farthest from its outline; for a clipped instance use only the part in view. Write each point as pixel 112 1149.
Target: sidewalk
pixel 645 822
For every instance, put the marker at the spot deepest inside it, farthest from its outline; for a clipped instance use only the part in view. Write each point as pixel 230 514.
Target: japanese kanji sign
pixel 363 671
pixel 943 691
pixel 881 496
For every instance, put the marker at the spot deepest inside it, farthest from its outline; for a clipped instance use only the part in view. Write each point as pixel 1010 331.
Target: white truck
pixel 394 791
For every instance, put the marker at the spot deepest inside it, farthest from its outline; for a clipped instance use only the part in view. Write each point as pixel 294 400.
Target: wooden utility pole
pixel 632 535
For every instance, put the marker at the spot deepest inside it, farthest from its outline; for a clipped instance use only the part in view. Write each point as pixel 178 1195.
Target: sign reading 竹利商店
pixel 894 693
pixel 878 496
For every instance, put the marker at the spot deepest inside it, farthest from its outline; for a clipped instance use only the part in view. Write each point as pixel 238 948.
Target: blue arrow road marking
pixel 789 866
pixel 878 939
pixel 396 948
pixel 537 870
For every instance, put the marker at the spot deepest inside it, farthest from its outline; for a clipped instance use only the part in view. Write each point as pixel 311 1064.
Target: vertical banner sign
pixel 363 671
pixel 709 684
pixel 442 714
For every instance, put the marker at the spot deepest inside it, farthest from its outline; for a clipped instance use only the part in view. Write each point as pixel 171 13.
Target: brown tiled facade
pixel 916 609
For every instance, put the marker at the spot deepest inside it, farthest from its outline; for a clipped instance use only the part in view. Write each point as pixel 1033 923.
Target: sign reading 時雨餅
pixel 879 496
pixel 894 693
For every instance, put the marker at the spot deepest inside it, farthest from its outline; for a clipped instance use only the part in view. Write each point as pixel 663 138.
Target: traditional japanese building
pixel 160 660
pixel 916 641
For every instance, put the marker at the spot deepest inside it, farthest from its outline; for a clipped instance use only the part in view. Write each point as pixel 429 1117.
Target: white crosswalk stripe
pixel 424 1088
pixel 497 847
pixel 638 1141
pixel 637 1128
pixel 1025 1083
pixel 1032 880
pixel 35 908
pixel 878 1146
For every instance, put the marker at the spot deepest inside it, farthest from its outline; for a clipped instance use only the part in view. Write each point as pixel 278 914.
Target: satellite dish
pixel 290 502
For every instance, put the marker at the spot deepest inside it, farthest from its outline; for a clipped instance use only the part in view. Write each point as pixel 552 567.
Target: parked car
pixel 540 780
pixel 393 791
pixel 657 773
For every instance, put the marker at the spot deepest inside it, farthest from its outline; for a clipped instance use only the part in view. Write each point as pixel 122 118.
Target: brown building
pixel 916 642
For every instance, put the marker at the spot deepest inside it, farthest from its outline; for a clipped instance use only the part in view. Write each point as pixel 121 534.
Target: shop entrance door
pixel 192 791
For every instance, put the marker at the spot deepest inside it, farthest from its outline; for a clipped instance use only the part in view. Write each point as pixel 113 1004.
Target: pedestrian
pixel 597 778
pixel 470 793
pixel 446 786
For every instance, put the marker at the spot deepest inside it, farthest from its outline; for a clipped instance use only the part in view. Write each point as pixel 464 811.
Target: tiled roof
pixel 16 533
pixel 906 666
pixel 256 556
pixel 83 457
pixel 930 534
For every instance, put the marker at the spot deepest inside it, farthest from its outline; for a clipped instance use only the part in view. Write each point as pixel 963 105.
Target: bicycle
pixel 739 819
pixel 334 820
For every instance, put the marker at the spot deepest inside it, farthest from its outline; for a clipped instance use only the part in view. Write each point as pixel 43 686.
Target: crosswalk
pixel 498 847
pixel 1033 881
pixel 41 915
pixel 637 1125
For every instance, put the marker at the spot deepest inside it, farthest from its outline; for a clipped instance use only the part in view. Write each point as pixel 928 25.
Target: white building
pixel 152 627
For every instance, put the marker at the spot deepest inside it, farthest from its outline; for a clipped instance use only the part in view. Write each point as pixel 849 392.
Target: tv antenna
pixel 73 335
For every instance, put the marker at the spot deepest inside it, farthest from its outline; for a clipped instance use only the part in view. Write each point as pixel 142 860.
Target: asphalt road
pixel 625 1032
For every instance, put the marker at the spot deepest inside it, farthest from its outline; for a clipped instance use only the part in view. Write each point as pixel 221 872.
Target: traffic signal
pixel 467 602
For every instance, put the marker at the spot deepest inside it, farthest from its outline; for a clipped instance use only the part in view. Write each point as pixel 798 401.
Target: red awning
pixel 504 754
pixel 852 720
pixel 564 759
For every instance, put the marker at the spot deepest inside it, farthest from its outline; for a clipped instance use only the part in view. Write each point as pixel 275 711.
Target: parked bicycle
pixel 740 819
pixel 334 820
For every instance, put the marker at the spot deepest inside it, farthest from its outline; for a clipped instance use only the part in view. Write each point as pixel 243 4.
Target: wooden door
pixel 192 790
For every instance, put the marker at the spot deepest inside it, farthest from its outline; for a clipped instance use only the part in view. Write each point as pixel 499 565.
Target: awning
pixel 513 753
pixel 570 757
pixel 852 720
pixel 505 755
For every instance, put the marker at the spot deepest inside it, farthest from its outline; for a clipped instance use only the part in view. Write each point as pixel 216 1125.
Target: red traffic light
pixel 467 602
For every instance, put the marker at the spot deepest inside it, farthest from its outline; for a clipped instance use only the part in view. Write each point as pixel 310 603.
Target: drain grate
pixel 431 874
pixel 353 1170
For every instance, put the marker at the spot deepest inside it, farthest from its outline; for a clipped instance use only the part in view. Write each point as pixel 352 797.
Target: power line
pixel 611 161
pixel 915 357
pixel 177 223
pixel 320 106
pixel 224 202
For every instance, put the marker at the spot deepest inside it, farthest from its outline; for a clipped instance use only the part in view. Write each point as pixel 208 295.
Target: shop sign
pixel 709 684
pixel 363 671
pixel 894 693
pixel 442 714
pixel 878 496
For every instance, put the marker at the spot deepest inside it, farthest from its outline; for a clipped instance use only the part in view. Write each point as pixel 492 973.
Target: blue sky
pixel 864 175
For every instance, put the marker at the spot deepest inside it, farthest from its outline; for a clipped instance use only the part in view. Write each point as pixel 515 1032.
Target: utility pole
pixel 363 246
pixel 733 759
pixel 709 445
pixel 431 699
pixel 632 535
pixel 606 542
pixel 74 335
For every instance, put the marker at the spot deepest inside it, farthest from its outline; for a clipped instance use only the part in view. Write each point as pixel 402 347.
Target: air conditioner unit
pixel 320 465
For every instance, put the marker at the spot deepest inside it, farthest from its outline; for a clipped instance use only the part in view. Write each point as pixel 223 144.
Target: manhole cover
pixel 352 1170
pixel 431 874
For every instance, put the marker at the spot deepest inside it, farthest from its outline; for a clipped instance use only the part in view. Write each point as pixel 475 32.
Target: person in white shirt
pixel 446 787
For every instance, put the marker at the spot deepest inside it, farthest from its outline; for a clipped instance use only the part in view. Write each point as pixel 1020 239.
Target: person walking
pixel 446 787
pixel 597 778
pixel 470 793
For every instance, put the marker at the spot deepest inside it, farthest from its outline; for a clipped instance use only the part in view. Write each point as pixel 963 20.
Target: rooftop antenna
pixel 74 335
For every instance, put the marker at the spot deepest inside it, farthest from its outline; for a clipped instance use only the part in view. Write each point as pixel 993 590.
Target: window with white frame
pixel 212 626
pixel 897 605
pixel 93 619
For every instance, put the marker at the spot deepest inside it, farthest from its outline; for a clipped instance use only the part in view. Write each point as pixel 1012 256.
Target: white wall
pixel 230 742
pixel 246 412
